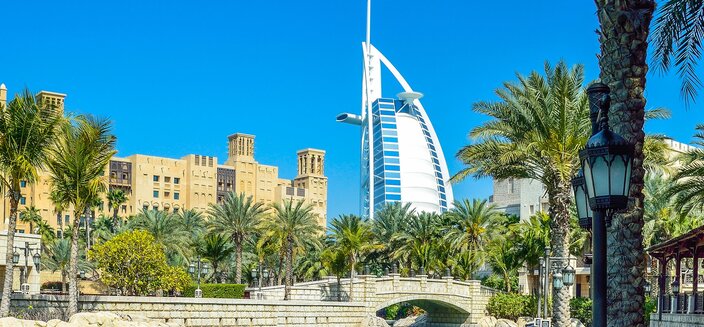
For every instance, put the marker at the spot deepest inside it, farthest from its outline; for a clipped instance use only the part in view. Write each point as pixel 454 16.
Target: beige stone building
pixel 191 182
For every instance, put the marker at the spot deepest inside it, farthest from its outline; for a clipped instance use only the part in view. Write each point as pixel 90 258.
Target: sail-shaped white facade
pixel 401 157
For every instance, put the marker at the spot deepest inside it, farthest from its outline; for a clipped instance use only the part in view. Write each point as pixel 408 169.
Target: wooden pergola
pixel 687 246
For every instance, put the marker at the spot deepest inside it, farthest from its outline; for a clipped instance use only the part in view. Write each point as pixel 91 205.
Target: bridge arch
pixel 440 310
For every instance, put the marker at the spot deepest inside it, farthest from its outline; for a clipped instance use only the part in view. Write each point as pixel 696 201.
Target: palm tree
pixel 538 127
pixel 192 221
pixel 388 222
pixel 167 231
pixel 471 226
pixel 217 249
pixel 116 198
pixel 504 256
pixel 58 257
pixel 237 216
pixel 31 215
pixel 677 35
pixel 77 165
pixel 623 35
pixel 688 180
pixel 418 240
pixel 55 197
pixel 47 233
pixel 295 224
pixel 353 236
pixel 335 262
pixel 309 265
pixel 663 220
pixel 27 129
pixel 103 229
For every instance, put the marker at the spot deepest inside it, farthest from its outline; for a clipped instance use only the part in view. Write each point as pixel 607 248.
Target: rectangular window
pixel 393 190
pixel 167 194
pixel 390 153
pixel 391 146
pixel 176 196
pixel 177 180
pixel 388 119
pixel 23 200
pixel 390 126
pixel 393 182
pixel 155 178
pixel 396 197
pixel 155 194
pixel 67 219
pixel 392 175
pixel 167 179
pixel 393 168
pixel 23 183
pixel 391 139
pixel 391 160
pixel 58 220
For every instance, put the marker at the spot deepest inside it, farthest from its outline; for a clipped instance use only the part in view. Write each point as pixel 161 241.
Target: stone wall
pixel 677 320
pixel 211 312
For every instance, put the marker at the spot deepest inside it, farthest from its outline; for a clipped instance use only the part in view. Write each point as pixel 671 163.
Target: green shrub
pixel 581 309
pixel 54 286
pixel 651 305
pixel 219 291
pixel 392 311
pixel 511 306
pixel 497 282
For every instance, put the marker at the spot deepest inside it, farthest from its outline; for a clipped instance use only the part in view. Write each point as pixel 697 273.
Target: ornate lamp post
pixel 202 269
pixel 606 162
pixel 28 252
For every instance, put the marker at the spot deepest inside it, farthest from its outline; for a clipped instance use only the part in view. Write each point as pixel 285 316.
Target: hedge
pixel 581 309
pixel 512 305
pixel 220 291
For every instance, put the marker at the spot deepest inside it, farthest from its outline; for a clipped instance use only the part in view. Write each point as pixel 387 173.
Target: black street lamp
pixel 202 269
pixel 606 163
pixel 581 200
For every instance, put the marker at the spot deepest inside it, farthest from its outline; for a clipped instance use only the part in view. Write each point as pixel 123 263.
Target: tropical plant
pixel 192 221
pixel 55 197
pixel 167 230
pixel 31 215
pixel 535 237
pixel 623 35
pixel 688 187
pixel 310 264
pixel 27 129
pixel 388 222
pixel 538 127
pixel 335 262
pixel 217 249
pixel 353 236
pixel 418 241
pixel 295 224
pixel 103 229
pixel 237 217
pixel 662 219
pixel 57 257
pixel 132 262
pixel 116 198
pixel 471 225
pixel 505 257
pixel 47 233
pixel 77 167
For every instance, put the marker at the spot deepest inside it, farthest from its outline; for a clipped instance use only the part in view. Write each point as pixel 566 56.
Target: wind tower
pixel 400 154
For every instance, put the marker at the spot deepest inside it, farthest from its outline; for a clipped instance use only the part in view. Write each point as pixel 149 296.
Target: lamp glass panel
pixel 557 283
pixel 618 175
pixel 568 278
pixel 627 186
pixel 588 178
pixel 581 201
pixel 600 171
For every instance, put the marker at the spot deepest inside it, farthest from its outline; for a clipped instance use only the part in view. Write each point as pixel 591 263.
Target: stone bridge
pixel 448 302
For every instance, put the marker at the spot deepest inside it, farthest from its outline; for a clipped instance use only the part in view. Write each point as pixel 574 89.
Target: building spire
pixel 369 23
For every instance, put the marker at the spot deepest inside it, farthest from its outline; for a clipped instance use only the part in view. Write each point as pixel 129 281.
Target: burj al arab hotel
pixel 401 157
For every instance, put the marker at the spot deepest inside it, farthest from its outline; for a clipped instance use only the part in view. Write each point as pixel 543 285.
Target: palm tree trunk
pixel 114 219
pixel 339 289
pixel 238 262
pixel 560 201
pixel 352 263
pixel 73 268
pixel 625 25
pixel 279 272
pixel 507 282
pixel 9 265
pixel 61 223
pixel 289 268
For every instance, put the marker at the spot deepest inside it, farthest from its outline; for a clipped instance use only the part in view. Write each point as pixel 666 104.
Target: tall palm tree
pixel 47 233
pixel 217 249
pixel 623 35
pixel 538 127
pixel 103 229
pixel 116 198
pixel 504 256
pixel 535 237
pixel 77 164
pixel 27 129
pixel 678 40
pixel 167 231
pixel 353 236
pixel 237 217
pixel 295 224
pixel 55 197
pixel 31 215
pixel 471 226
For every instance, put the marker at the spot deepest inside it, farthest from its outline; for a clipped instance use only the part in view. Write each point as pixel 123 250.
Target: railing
pixel 699 303
pixel 666 303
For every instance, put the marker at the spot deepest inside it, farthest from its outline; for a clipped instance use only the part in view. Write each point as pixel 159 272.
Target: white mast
pixel 369 23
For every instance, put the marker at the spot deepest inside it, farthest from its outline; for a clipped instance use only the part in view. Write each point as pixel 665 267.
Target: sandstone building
pixel 191 182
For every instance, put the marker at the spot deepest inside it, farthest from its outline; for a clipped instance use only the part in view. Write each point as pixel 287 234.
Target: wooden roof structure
pixel 687 244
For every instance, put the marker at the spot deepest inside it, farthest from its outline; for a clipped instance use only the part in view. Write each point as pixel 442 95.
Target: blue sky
pixel 177 77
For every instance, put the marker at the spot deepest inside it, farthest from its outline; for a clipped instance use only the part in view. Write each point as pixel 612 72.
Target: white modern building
pixel 401 156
